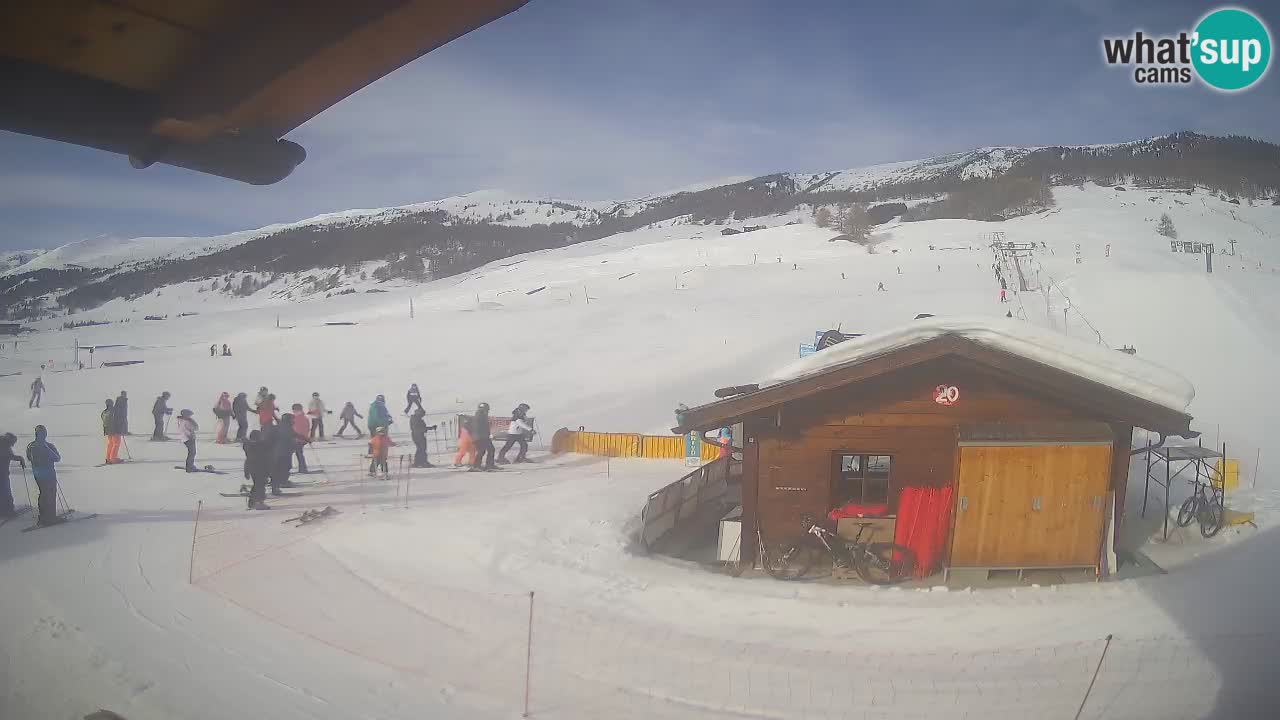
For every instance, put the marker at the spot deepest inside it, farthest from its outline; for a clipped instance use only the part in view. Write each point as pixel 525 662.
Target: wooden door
pixel 1030 505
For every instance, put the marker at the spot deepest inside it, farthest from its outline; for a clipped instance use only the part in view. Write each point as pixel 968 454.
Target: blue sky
pixel 609 100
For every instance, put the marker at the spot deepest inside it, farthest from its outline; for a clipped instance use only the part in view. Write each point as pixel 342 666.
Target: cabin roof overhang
pixel 1093 398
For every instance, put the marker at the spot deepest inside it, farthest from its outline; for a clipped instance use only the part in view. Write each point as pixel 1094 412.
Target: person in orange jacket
pixel 379 447
pixel 266 411
pixel 466 448
pixel 222 411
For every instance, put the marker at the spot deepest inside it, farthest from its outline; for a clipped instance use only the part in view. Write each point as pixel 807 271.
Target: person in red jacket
pixel 266 411
pixel 301 431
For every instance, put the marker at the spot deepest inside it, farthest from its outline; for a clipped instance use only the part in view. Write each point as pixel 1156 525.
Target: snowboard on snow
pixel 20 510
pixel 205 469
pixel 65 518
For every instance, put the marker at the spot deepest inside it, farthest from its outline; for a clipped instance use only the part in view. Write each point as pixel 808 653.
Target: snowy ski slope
pixel 390 612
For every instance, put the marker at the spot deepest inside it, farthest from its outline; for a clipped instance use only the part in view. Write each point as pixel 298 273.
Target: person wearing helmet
pixel 316 411
pixel 413 397
pixel 519 431
pixel 348 417
pixel 481 439
pixel 379 416
pixel 158 412
pixel 187 427
pixel 222 413
pixel 122 413
pixel 266 410
pixel 379 446
pixel 43 455
pixel 7 441
pixel 418 427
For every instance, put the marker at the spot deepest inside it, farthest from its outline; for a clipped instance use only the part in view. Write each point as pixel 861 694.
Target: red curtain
pixel 923 522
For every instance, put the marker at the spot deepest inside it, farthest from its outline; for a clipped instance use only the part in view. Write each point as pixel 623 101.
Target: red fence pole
pixel 528 657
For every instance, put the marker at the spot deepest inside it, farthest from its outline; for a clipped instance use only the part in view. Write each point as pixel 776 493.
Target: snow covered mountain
pixel 444 237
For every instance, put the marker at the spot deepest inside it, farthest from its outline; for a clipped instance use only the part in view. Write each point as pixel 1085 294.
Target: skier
pixel 122 413
pixel 37 389
pixel 466 448
pixel 379 416
pixel 520 431
pixel 379 446
pixel 187 427
pixel 348 417
pixel 412 397
pixel 480 438
pixel 266 410
pixel 279 438
pixel 419 427
pixel 42 455
pixel 7 441
pixel 257 467
pixel 880 287
pixel 1004 295
pixel 222 411
pixel 262 395
pixel 240 411
pixel 226 351
pixel 317 411
pixel 158 412
pixel 110 430
pixel 300 426
pixel 213 350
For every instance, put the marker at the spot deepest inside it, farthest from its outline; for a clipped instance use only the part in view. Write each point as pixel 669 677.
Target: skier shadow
pixel 1225 603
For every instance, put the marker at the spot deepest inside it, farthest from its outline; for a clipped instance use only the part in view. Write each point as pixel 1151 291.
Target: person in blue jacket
pixel 42 455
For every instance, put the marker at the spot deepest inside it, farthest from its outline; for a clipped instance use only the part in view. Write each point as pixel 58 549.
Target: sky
pixel 587 100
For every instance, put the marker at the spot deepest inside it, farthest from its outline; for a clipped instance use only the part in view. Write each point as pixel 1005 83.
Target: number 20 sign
pixel 946 394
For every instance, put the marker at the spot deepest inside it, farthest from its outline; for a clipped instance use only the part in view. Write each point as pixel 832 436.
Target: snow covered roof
pixel 1148 393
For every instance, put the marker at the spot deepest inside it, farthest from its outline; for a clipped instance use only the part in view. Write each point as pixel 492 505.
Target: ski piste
pixel 66 518
pixel 21 510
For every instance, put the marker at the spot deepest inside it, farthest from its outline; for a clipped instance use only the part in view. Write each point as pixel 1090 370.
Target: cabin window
pixel 860 478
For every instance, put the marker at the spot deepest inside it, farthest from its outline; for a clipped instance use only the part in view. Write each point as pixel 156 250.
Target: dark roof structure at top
pixel 209 85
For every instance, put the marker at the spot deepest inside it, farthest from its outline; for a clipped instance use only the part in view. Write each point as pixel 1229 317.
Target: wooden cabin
pixel 1034 454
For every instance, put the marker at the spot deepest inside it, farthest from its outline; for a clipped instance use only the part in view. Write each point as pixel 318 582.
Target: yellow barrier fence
pixel 659 447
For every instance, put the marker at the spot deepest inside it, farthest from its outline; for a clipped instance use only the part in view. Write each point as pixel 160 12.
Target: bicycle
pixel 1205 508
pixel 878 563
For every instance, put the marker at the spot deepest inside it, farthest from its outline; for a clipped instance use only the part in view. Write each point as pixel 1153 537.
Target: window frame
pixel 864 478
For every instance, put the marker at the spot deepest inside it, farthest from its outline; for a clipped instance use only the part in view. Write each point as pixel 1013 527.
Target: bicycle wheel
pixel 789 559
pixel 1189 510
pixel 885 563
pixel 1210 516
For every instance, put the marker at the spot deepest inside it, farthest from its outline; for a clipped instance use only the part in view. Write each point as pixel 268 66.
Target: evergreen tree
pixel 1165 227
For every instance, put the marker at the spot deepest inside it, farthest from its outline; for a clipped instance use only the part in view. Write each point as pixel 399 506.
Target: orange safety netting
pixel 923 522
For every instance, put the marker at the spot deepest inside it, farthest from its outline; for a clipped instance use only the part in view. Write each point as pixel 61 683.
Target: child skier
pixel 419 427
pixel 257 467
pixel 413 397
pixel 266 410
pixel 348 417
pixel 466 448
pixel 519 431
pixel 187 427
pixel 42 455
pixel 379 447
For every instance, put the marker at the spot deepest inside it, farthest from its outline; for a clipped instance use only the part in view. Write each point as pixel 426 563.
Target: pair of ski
pixel 309 516
pixel 246 489
pixel 65 518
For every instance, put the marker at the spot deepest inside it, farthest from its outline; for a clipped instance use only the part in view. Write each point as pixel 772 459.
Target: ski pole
pixel 126 448
pixel 30 502
pixel 66 506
